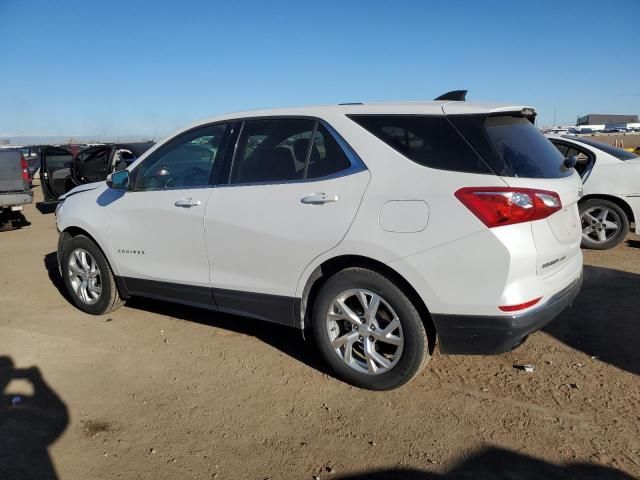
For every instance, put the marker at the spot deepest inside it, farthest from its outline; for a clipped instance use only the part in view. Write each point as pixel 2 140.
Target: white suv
pixel 380 227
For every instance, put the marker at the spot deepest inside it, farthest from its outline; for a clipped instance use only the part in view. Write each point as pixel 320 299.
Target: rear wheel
pixel 368 331
pixel 604 224
pixel 88 277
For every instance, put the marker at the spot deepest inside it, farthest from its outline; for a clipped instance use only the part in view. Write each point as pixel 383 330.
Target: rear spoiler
pixel 454 96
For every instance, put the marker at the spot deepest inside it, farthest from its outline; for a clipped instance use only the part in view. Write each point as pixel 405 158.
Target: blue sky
pixel 125 67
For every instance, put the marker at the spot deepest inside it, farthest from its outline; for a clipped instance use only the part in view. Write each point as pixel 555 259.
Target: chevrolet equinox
pixel 381 228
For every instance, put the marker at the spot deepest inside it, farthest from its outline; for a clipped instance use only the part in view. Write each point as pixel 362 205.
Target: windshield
pixel 619 153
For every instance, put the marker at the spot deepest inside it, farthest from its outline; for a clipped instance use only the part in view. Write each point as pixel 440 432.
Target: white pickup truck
pixel 15 185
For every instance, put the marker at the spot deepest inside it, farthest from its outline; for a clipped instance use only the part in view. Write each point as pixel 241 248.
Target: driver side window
pixel 187 161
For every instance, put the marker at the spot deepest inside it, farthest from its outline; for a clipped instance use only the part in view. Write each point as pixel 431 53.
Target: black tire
pixel 109 299
pixel 616 215
pixel 415 350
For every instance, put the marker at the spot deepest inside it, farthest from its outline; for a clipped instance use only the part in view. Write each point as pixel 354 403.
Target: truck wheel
pixel 368 331
pixel 88 277
pixel 604 224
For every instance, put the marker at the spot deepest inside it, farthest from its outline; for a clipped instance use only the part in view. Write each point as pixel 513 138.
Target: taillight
pixel 498 206
pixel 25 169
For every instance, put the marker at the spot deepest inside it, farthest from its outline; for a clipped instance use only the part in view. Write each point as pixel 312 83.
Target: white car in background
pixel 611 202
pixel 378 227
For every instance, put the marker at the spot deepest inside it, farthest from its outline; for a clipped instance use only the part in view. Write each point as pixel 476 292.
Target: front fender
pixel 84 212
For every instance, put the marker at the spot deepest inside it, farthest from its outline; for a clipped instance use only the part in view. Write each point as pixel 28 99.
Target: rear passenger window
pixel 326 157
pixel 272 150
pixel 428 140
pixel 285 149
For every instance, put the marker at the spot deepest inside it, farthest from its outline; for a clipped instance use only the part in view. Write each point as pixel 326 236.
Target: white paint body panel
pixel 171 237
pixel 404 216
pixel 261 239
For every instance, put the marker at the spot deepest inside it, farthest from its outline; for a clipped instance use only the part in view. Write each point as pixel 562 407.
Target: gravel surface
pixel 161 391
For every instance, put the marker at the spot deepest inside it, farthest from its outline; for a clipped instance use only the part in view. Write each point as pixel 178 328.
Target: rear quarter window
pixel 428 140
pixel 512 146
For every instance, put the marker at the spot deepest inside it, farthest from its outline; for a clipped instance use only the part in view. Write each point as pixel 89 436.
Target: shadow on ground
pixel 633 243
pixel 603 321
pixel 496 463
pixel 51 265
pixel 286 339
pixel 46 208
pixel 12 221
pixel 29 424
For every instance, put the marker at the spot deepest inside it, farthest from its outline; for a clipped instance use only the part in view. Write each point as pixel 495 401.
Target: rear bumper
pixel 488 335
pixel 15 198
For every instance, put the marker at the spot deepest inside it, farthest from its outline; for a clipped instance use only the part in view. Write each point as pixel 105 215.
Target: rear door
pixel 55 172
pixel 291 195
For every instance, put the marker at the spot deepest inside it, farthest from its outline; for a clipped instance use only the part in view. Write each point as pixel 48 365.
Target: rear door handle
pixel 319 199
pixel 187 203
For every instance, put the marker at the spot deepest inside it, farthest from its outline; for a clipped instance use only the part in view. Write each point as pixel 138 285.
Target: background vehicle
pixel 63 170
pixel 31 154
pixel 611 201
pixel 15 184
pixel 375 226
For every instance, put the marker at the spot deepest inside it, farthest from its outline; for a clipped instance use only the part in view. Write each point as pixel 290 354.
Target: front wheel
pixel 88 277
pixel 604 224
pixel 368 331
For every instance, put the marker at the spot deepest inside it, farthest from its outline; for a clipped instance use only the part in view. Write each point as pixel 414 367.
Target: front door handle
pixel 319 199
pixel 187 203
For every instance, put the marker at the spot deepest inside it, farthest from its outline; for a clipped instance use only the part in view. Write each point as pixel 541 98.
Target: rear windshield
pixel 512 146
pixel 428 140
pixel 619 153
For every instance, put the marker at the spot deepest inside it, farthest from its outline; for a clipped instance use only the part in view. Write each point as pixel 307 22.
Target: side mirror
pixel 118 180
pixel 571 161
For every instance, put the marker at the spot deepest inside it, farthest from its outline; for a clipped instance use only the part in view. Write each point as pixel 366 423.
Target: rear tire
pixel 88 277
pixel 380 346
pixel 604 224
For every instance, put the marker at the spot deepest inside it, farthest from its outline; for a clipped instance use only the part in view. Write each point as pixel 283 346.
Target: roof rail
pixel 351 103
pixel 454 95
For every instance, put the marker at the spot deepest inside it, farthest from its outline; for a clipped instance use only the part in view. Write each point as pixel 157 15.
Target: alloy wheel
pixel 84 276
pixel 365 331
pixel 600 224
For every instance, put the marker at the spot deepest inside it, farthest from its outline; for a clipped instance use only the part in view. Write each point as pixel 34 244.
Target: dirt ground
pixel 161 391
pixel 629 140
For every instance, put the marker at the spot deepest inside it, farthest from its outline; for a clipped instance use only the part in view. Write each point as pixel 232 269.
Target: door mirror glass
pixel 119 180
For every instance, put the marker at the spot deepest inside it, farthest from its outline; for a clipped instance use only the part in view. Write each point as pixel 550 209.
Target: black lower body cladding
pixel 488 335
